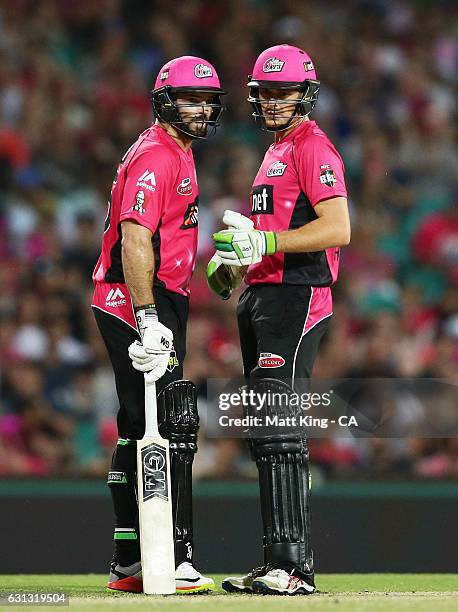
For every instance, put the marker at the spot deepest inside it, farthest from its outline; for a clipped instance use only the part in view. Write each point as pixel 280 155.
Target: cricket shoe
pixel 127 579
pixel 279 582
pixel 188 580
pixel 243 584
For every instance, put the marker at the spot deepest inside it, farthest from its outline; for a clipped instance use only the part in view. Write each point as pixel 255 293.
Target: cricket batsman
pixel 140 303
pixel 289 249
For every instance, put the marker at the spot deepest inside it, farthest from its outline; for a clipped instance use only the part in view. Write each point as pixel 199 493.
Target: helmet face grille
pixel 167 110
pixel 304 105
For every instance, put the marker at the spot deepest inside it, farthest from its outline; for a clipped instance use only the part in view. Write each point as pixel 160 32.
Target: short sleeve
pixel 147 188
pixel 321 170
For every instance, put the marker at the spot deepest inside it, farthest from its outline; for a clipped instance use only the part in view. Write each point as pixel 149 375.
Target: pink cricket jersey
pixel 301 170
pixel 155 186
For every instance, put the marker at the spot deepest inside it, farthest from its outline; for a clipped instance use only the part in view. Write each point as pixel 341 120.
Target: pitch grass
pixel 338 592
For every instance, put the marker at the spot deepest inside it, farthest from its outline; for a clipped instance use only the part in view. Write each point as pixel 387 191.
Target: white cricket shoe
pixel 243 584
pixel 279 582
pixel 188 580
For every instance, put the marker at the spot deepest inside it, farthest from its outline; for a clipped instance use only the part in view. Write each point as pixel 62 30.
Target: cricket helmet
pixel 284 67
pixel 187 74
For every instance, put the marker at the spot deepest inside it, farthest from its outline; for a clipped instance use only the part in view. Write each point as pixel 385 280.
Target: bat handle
pixel 151 422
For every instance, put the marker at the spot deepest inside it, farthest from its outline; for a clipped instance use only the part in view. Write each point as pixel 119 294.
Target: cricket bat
pixel 155 503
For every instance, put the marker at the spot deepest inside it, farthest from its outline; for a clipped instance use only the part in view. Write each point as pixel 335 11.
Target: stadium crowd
pixel 74 81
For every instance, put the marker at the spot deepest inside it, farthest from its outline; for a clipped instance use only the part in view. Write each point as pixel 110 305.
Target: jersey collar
pixel 168 140
pixel 302 128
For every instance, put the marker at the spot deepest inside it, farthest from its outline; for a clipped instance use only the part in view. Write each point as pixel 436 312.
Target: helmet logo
pixel 202 71
pixel 308 66
pixel 165 74
pixel 273 64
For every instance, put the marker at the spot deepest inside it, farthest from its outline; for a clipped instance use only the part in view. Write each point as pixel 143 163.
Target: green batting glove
pixel 222 279
pixel 244 247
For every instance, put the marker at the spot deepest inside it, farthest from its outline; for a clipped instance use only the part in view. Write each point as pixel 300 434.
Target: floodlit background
pixel 74 82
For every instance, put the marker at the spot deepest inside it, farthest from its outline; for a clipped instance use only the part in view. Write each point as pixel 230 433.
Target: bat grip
pixel 151 422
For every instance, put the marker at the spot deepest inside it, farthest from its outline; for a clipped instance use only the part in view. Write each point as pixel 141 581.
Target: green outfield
pixel 342 592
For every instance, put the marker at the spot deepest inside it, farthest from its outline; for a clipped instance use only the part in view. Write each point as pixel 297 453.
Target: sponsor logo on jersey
pixel 191 216
pixel 115 297
pixel 139 201
pixel 185 187
pixel 273 64
pixel 270 360
pixel 202 71
pixel 165 74
pixel 277 169
pixel 327 176
pixel 262 200
pixel 147 180
pixel 308 66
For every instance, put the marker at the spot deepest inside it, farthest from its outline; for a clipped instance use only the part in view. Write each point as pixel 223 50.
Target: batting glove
pixel 235 220
pixel 243 247
pixel 223 279
pixel 153 352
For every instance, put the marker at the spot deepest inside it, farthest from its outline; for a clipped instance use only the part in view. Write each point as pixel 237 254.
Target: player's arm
pixel 331 229
pixel 138 262
pixel 152 354
pixel 321 178
pixel 245 247
pixel 146 192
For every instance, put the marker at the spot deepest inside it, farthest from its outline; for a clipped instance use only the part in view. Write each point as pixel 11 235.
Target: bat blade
pixel 155 514
pixel 155 503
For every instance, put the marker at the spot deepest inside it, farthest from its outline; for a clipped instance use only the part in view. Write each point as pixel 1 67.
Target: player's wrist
pixel 269 243
pixel 145 316
pixel 150 306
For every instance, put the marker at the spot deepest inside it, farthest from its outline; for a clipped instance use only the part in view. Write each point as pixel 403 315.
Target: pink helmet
pixel 283 64
pixel 284 67
pixel 189 72
pixel 184 75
